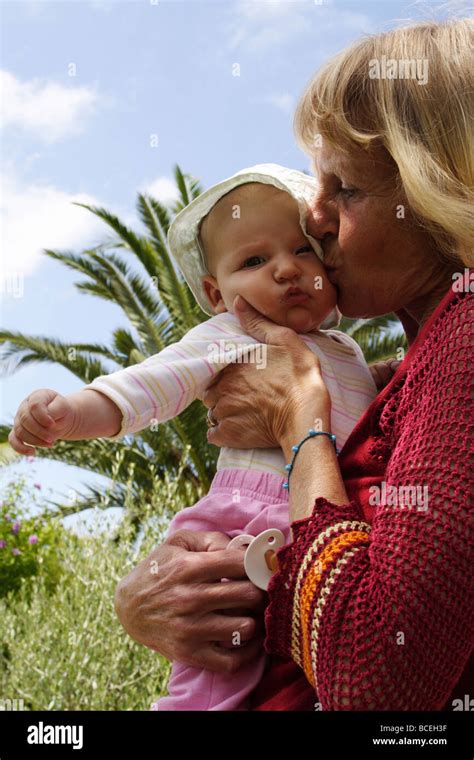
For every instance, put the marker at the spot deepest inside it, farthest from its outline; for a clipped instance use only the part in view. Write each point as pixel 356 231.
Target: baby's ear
pixel 213 293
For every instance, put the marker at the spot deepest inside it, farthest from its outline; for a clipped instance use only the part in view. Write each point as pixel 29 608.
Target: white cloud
pixel 285 102
pixel 37 216
pixel 46 109
pixel 163 189
pixel 259 26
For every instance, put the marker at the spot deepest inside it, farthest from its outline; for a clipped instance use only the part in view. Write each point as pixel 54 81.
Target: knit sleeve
pixel 381 617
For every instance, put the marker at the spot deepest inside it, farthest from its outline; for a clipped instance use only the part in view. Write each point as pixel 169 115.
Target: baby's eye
pixel 305 249
pixel 252 258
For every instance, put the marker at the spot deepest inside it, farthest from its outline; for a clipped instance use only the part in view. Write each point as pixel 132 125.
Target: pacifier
pixel 257 557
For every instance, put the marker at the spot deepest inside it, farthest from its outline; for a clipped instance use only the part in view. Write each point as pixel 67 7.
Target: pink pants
pixel 239 501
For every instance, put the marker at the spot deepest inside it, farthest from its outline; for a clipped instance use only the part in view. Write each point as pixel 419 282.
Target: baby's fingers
pixel 39 411
pixel 26 422
pixel 19 446
pixel 26 436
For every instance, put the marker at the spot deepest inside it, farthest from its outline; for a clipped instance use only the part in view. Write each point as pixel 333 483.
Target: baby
pixel 245 235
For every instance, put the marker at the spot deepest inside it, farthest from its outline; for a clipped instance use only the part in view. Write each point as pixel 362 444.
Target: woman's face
pixel 376 256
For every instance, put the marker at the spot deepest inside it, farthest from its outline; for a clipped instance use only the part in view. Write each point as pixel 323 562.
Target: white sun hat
pixel 183 238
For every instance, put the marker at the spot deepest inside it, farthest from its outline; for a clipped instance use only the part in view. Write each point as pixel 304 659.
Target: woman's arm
pixel 306 479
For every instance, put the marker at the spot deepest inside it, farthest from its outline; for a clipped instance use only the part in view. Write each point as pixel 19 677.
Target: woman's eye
pixel 347 192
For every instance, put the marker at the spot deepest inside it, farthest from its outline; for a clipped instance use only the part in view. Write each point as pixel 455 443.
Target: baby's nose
pixel 287 268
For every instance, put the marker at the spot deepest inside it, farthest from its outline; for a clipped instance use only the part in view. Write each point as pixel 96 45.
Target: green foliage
pixel 30 546
pixel 66 650
pixel 380 338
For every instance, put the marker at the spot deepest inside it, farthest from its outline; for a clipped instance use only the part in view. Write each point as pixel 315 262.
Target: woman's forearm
pixel 315 470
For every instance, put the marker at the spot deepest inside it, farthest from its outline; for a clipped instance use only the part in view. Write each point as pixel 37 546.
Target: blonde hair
pixel 427 128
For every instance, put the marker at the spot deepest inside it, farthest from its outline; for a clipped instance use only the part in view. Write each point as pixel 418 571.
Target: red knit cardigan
pixel 374 600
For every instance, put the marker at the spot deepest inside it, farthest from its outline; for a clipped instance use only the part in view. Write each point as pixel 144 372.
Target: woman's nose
pixel 322 221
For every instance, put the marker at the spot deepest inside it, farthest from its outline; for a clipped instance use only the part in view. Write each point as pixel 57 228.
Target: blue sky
pixel 87 83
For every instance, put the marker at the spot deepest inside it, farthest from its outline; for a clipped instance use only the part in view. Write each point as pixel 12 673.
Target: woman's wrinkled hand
pixel 253 406
pixel 175 602
pixel 382 372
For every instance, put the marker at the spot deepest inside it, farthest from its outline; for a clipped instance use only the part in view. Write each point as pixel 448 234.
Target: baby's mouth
pixel 294 296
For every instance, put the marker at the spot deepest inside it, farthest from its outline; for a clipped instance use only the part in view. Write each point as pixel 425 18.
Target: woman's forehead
pixel 362 163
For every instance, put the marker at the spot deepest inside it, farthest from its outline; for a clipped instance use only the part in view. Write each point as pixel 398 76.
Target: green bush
pixel 29 545
pixel 65 649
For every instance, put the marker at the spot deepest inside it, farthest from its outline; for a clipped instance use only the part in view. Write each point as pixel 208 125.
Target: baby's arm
pixel 126 401
pixel 45 417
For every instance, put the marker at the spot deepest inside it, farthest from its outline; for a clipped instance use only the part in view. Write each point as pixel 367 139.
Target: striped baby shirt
pixel 162 386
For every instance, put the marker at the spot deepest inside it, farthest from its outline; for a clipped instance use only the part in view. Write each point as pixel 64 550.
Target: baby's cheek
pixel 321 283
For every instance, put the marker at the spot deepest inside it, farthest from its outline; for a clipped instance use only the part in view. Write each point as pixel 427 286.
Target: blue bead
pixel 288 467
pixel 295 448
pixel 312 432
pixel 285 485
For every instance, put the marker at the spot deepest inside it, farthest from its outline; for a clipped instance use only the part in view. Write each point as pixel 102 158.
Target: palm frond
pixel 189 188
pixel 18 350
pixel 379 338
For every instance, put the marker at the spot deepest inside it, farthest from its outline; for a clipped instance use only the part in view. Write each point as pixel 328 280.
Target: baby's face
pixel 255 247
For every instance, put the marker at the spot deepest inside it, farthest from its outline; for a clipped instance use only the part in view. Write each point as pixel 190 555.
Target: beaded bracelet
pixel 311 434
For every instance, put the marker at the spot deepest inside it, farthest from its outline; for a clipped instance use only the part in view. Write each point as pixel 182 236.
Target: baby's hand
pixel 42 418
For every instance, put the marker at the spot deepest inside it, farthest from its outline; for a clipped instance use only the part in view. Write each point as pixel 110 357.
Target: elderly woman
pixel 371 605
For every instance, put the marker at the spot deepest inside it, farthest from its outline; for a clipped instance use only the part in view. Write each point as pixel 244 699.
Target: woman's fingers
pixel 212 657
pixel 382 372
pixel 198 541
pixel 258 326
pixel 230 595
pixel 201 567
pixel 226 629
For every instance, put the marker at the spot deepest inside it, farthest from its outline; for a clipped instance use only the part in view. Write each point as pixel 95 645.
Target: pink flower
pixel 38 486
pixel 16 552
pixel 3 544
pixel 16 527
pixel 33 539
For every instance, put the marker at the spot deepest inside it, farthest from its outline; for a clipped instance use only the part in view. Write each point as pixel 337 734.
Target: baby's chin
pixel 299 318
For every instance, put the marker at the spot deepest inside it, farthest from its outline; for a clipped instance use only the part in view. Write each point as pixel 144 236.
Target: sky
pixel 100 99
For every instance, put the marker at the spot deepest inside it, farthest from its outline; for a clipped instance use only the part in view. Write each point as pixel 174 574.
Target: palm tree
pixel 160 309
pixel 380 338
